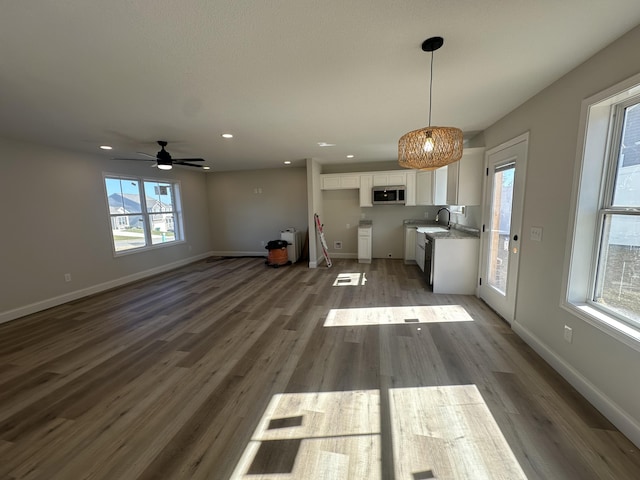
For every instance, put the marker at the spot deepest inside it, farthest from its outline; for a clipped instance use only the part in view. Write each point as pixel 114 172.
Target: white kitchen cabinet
pixel 410 244
pixel 410 190
pixel 424 188
pixel 390 178
pixel 364 244
pixel 366 182
pixel 339 181
pixel 431 187
pixel 464 178
pixel 440 177
pixel 455 265
pixel 420 252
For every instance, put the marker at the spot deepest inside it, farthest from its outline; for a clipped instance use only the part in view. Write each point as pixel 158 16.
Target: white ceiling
pixel 281 75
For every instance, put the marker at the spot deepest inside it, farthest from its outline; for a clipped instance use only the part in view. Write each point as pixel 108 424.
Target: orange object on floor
pixel 278 256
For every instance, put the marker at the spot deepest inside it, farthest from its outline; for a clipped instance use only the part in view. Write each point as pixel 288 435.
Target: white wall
pixel 604 369
pixel 247 209
pixel 55 221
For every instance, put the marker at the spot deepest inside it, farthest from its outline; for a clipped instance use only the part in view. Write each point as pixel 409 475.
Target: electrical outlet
pixel 536 234
pixel 67 277
pixel 348 226
pixel 568 334
pixel 337 245
pixel 262 242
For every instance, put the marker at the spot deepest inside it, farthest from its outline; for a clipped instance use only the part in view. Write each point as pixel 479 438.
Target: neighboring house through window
pixel 603 276
pixel 143 213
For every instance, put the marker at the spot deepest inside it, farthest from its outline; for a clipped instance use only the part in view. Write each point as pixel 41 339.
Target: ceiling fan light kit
pixel 430 147
pixel 164 160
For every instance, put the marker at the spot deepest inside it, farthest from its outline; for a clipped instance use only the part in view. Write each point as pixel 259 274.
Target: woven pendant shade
pixel 430 147
pixel 445 148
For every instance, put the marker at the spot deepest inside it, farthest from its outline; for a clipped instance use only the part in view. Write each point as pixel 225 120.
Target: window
pixel 602 278
pixel 143 213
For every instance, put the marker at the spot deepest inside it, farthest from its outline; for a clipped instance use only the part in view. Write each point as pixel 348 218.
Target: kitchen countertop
pixel 452 234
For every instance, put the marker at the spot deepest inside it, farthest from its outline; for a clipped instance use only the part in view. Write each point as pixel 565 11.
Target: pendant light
pixel 430 147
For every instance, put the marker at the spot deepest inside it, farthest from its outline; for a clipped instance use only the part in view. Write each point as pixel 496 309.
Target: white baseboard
pixel 343 255
pixel 318 261
pixel 101 287
pixel 239 254
pixel 616 415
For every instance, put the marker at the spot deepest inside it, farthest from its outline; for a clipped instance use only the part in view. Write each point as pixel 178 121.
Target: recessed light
pixel 227 135
pixel 206 168
pixel 325 144
pixel 287 162
pixel 106 147
pixel 350 156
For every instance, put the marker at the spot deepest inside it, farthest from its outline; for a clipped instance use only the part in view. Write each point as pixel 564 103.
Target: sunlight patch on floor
pixel 448 432
pixel 351 317
pixel 329 435
pixel 441 433
pixel 350 280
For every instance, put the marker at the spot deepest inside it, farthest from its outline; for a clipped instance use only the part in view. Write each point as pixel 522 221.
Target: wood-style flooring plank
pixel 227 368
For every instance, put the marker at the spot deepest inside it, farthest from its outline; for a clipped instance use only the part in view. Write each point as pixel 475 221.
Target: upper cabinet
pixel 431 187
pixel 440 179
pixel 421 188
pixel 410 188
pixel 390 178
pixel 339 181
pixel 366 182
pixel 464 178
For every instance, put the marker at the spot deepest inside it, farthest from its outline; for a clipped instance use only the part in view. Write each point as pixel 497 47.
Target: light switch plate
pixel 536 234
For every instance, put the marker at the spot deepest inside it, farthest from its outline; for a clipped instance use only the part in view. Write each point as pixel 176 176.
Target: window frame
pixel 146 214
pixel 608 210
pixel 594 154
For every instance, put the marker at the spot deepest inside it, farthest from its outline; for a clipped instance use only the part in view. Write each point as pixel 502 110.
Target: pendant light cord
pixel 430 87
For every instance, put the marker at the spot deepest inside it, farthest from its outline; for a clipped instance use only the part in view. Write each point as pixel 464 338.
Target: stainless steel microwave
pixel 388 195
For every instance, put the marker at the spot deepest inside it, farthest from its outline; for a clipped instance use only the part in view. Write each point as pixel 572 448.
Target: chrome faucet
pixel 448 218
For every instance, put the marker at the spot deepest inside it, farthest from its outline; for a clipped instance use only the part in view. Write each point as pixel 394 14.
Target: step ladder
pixel 323 242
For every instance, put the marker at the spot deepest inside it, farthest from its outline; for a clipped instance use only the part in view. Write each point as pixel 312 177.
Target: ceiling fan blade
pixel 187 164
pixel 146 155
pixel 135 159
pixel 188 159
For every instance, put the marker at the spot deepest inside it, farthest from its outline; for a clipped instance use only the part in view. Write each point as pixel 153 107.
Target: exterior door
pixel 502 225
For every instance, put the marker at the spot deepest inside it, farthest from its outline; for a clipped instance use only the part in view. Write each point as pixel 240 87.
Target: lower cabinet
pixel 455 265
pixel 410 244
pixel 364 244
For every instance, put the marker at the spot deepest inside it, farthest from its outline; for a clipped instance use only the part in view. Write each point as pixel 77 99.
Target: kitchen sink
pixel 432 229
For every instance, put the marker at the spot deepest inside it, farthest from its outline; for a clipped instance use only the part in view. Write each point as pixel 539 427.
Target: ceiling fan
pixel 164 161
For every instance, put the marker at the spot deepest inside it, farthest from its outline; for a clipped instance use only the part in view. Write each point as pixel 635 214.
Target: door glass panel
pixel 500 226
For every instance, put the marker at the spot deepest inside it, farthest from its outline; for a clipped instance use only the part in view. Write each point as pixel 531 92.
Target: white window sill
pixel 613 327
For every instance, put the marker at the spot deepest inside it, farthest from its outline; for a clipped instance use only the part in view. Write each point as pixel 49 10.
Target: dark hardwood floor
pixel 231 369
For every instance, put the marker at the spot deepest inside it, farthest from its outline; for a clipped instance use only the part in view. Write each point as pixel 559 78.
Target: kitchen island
pixel 451 259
